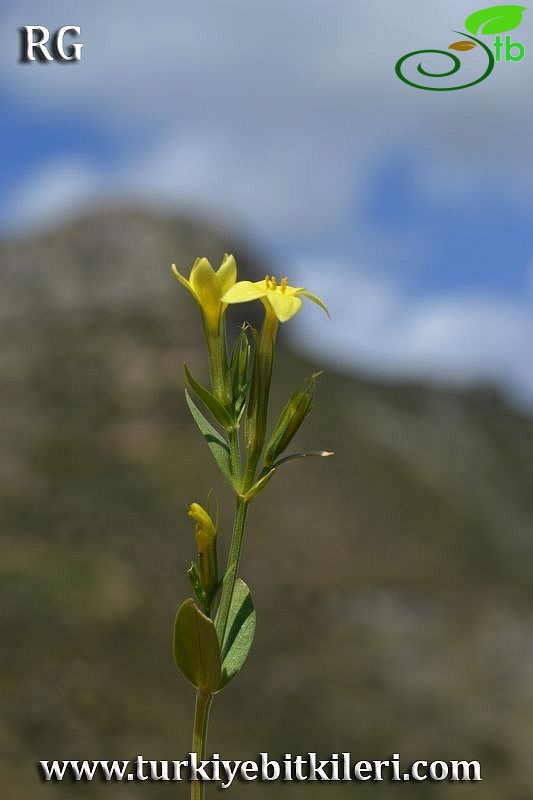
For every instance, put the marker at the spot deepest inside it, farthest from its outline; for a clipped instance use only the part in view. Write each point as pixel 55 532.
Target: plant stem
pixel 216 348
pixel 204 699
pixel 228 585
pixel 199 737
pixel 257 407
pixel 235 455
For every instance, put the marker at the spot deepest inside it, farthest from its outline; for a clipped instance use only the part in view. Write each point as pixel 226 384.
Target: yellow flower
pixel 205 532
pixel 208 286
pixel 284 300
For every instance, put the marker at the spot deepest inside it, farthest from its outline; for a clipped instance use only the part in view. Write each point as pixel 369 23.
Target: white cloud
pixel 378 324
pixel 276 115
pixel 60 189
pixel 266 187
pixel 289 106
pixel 266 62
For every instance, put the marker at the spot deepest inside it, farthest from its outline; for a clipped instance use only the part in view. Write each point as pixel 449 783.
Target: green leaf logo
pixel 496 19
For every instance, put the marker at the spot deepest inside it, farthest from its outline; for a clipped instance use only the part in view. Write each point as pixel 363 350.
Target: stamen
pixel 284 283
pixel 270 282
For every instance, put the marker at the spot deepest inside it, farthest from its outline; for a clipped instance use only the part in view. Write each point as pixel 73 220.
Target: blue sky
pixel 410 211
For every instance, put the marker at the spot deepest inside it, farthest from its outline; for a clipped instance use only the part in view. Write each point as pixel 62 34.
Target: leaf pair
pixel 197 652
pixel 238 377
pixel 238 373
pixel 210 401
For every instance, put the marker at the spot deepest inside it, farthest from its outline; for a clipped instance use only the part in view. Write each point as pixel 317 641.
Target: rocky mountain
pixel 393 583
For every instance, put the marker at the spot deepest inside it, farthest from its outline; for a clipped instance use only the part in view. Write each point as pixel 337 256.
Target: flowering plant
pixel 214 628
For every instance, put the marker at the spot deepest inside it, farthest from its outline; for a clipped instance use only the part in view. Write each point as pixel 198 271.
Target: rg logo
pixel 36 44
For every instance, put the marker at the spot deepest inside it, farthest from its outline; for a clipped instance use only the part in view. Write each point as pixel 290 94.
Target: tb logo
pixel 37 44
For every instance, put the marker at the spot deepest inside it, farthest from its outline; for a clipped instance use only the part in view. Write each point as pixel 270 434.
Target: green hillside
pixel 393 583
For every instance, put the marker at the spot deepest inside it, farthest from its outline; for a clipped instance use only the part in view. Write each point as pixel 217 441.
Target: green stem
pixel 235 456
pixel 199 737
pixel 216 348
pixel 228 585
pixel 257 408
pixel 251 467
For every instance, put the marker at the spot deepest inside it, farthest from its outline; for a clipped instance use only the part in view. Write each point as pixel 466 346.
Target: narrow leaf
pixel 209 400
pixel 239 633
pixel 214 439
pixel 496 19
pixel 196 647
pixel 294 456
pixel 260 484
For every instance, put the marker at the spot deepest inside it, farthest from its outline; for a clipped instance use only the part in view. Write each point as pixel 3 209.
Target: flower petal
pixel 314 299
pixel 226 274
pixel 292 290
pixel 202 278
pixel 184 281
pixel 244 291
pixel 284 305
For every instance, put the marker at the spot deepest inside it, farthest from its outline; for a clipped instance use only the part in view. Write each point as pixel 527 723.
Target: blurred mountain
pixel 393 582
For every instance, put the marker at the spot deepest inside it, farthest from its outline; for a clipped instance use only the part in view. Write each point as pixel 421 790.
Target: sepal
pixel 239 372
pixel 290 420
pixel 196 585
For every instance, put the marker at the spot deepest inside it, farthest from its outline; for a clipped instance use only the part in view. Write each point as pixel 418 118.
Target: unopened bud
pixel 239 370
pixel 205 532
pixel 206 540
pixel 290 420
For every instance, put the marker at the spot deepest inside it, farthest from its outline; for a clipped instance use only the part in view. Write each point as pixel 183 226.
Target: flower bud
pixel 206 540
pixel 290 420
pixel 205 532
pixel 240 358
pixel 207 287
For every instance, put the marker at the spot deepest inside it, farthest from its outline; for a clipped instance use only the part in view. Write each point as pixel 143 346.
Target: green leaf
pixel 239 634
pixel 294 456
pixel 209 400
pixel 496 19
pixel 214 439
pixel 196 648
pixel 260 484
pixel 196 584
